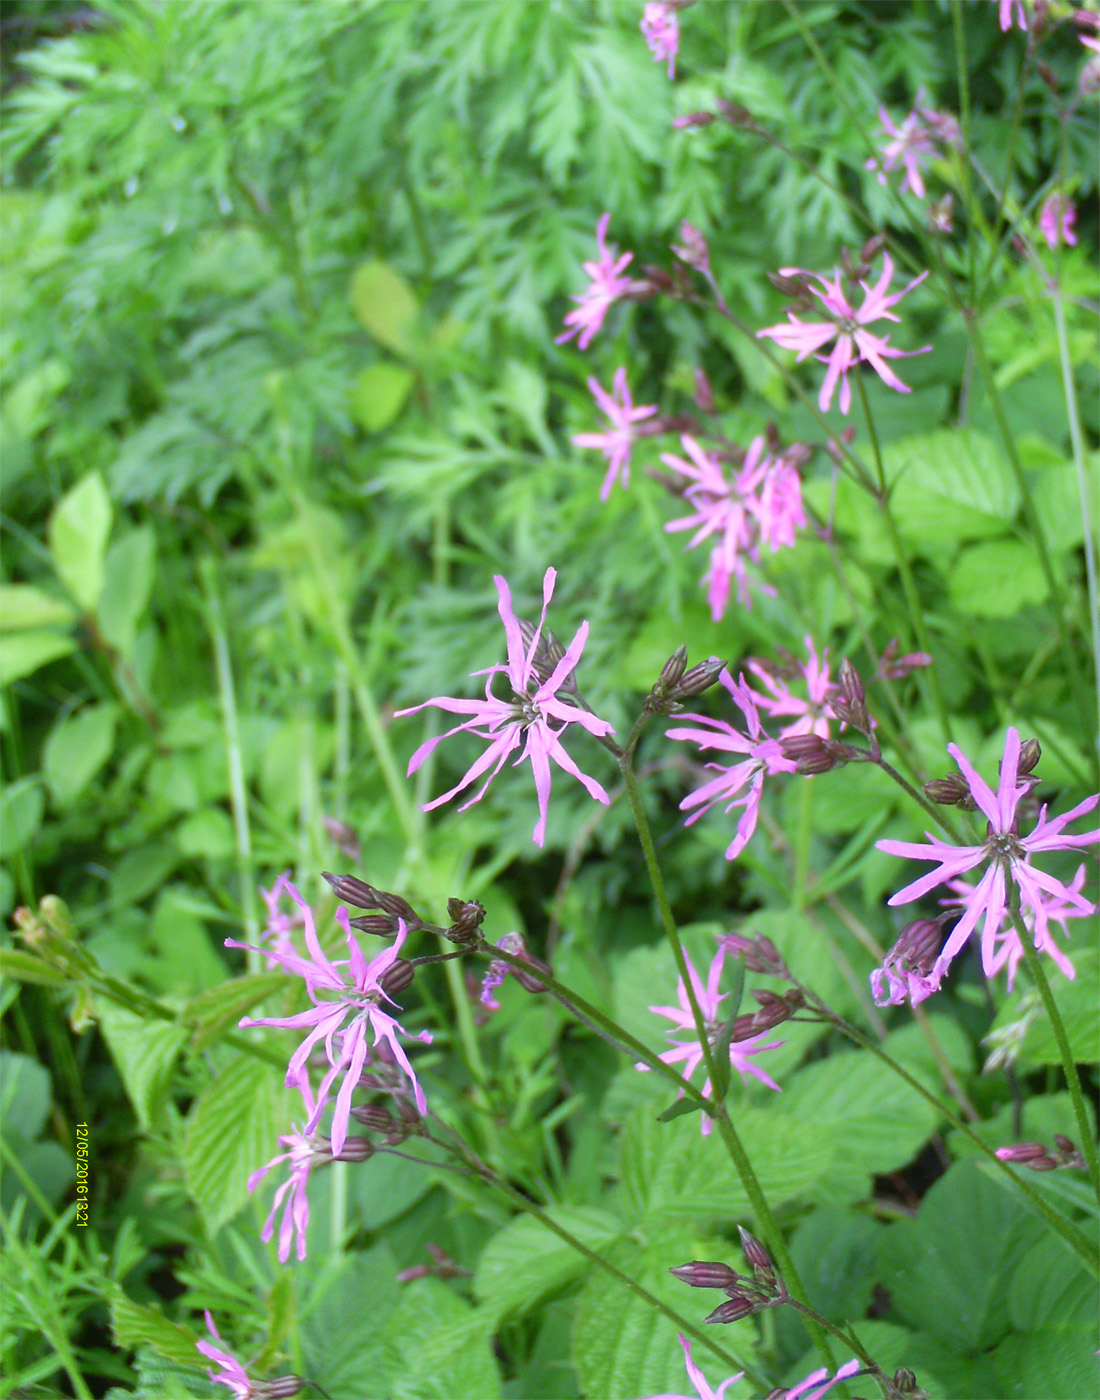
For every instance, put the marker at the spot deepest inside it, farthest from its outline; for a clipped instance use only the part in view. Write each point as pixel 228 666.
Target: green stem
pixel 849 1339
pixel 740 1158
pixel 1069 1065
pixel 802 843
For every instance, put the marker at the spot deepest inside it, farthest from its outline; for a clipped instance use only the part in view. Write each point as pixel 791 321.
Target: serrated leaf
pixel 438 1347
pixel 379 393
pixel 133 1326
pixel 77 533
pixel 144 1052
pixel 232 1129
pixel 220 1008
pixel 997 579
pixel 958 475
pixel 26 652
pixel 23 607
pixel 525 1261
pixel 385 305
pixel 77 749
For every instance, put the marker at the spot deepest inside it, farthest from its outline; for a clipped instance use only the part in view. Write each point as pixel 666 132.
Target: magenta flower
pixel 1009 9
pixel 773 495
pixel 607 286
pixel 232 1373
pixel 813 1389
pixel 617 442
pixel 693 251
pixel 689 1053
pixel 761 757
pixel 1007 949
pixel 1005 853
pixel 661 31
pixel 498 970
pixel 812 713
pixel 911 145
pixel 1056 221
pixel 303 1153
pixel 348 987
pixel 280 925
pixel 847 326
pixel 534 716
pixel 698 1380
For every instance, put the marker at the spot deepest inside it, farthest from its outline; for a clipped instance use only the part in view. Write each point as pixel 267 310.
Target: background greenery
pixel 280 394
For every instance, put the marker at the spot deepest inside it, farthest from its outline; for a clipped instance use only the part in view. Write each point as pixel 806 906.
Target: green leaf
pixel 77 533
pixel 133 1325
pixel 438 1347
pixel 385 305
pixel 949 1271
pixel 342 1327
pixel 22 607
pixel 26 652
pixel 207 833
pixel 77 749
pixel 220 1008
pixel 996 579
pixel 379 393
pixel 24 1094
pixel 129 571
pixel 232 1129
pixel 956 479
pixel 21 808
pixel 525 1262
pixel 145 1052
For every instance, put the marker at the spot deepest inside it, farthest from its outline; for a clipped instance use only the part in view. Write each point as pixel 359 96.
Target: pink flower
pixel 1010 8
pixel 762 756
pixel 847 326
pixel 607 286
pixel 693 251
pixel 1005 853
pixel 279 926
pixel 813 1389
pixel 690 1053
pixel 351 987
pixel 534 716
pixel 908 972
pixel 1007 949
pixel 498 970
pixel 912 144
pixel 1056 221
pixel 774 496
pixel 232 1373
pixel 661 31
pixel 698 1380
pixel 617 442
pixel 813 713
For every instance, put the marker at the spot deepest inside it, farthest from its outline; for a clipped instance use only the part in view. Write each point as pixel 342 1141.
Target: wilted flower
pixel 499 969
pixel 533 717
pixel 617 442
pixel 1056 221
pixel 847 326
pixel 689 1053
pixel 693 250
pixel 661 31
pixel 813 712
pixel 1005 853
pixel 908 971
pixel 352 987
pixel 702 1387
pixel 607 286
pixel 761 757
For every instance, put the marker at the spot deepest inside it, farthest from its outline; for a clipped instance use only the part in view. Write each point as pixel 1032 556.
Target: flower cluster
pixel 847 326
pixel 1007 858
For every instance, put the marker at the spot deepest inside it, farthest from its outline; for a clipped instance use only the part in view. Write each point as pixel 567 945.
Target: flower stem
pixel 1069 1065
pixel 734 1145
pixel 849 1339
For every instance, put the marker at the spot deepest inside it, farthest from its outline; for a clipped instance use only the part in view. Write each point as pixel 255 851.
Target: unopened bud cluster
pixel 466 916
pixel 548 653
pixel 677 683
pixel 350 890
pixel 760 954
pixel 774 1010
pixel 954 791
pixel 1037 1157
pixel 745 1296
pixel 811 754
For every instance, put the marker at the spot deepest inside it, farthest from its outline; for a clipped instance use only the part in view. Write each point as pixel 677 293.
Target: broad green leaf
pixel 956 478
pixel 145 1052
pixel 950 1270
pixel 1077 1002
pixel 21 808
pixel 129 570
pixel 232 1129
pixel 220 1008
pixel 379 393
pixel 1048 1363
pixel 26 652
pixel 343 1322
pixel 77 533
pixel 24 1094
pixel 23 607
pixel 386 1186
pixel 996 579
pixel 385 305
pixel 77 749
pixel 207 833
pixel 134 1325
pixel 525 1261
pixel 438 1347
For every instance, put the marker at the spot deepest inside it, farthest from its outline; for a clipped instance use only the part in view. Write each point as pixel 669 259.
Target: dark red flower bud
pixel 733 1310
pixel 467 916
pixel 757 1256
pixel 701 1273
pixel 1065 1144
pixel 350 890
pixel 1030 754
pixel 344 836
pixel 374 1117
pixel 356 1149
pixel 760 954
pixel 952 791
pixel 1022 1152
pixel 397 977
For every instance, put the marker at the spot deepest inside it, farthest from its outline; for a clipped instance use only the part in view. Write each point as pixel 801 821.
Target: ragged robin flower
pixel 618 441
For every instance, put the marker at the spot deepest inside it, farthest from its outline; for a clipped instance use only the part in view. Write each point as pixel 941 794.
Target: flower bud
pixel 733 1310
pixel 1030 754
pixel 525 980
pixel 373 1117
pixel 279 1388
pixel 754 1252
pixel 849 704
pixel 397 978
pixel 760 954
pixel 467 916
pixel 1065 1144
pixel 794 285
pixel 356 1149
pixel 872 248
pixel 350 890
pixel 1027 1152
pixel 811 754
pixel 701 1273
pixel 693 251
pixel 344 836
pixel 951 791
pixel 693 119
pixel 548 653
pixel 381 925
pixel 673 669
pixel 904 1386
pixel 703 398
pixel 737 115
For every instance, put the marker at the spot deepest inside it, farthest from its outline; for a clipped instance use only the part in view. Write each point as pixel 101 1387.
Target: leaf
pixel 955 476
pixel 22 607
pixel 342 1325
pixel 1077 1002
pixel 145 1052
pixel 232 1129
pixel 220 1008
pixel 207 833
pixel 378 394
pixel 996 579
pixel 949 1271
pixel 133 1325
pixel 77 749
pixel 77 533
pixel 385 305
pixel 26 652
pixel 438 1347
pixel 24 1094
pixel 21 808
pixel 525 1262
pixel 129 572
